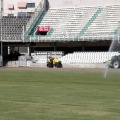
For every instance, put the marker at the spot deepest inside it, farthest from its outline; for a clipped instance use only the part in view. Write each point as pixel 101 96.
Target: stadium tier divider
pixel 34 18
pixel 50 32
pixel 37 23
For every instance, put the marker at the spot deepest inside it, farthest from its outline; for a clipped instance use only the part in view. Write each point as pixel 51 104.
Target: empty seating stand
pixel 87 57
pixel 106 22
pixel 76 57
pixel 12 27
pixel 82 22
pixel 67 21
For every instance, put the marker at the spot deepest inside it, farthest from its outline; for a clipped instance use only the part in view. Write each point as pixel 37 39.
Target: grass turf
pixel 53 95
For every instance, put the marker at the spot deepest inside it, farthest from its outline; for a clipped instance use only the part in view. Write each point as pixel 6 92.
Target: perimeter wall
pixel 81 3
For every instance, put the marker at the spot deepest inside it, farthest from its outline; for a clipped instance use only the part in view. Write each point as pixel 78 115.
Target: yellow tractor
pixel 54 62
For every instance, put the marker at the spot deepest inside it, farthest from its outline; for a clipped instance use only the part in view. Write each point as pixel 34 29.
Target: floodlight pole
pixel 118 31
pixel 1 39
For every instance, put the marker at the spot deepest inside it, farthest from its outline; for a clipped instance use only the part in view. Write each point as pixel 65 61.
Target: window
pixel 29 14
pixel 10 6
pixel 1 9
pixel 22 5
pixel 30 5
pixel 22 14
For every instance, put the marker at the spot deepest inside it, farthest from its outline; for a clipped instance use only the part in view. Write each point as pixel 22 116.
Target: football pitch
pixel 59 95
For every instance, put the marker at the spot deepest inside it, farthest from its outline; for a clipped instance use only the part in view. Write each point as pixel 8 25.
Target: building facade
pixel 81 3
pixel 18 7
pixel 27 7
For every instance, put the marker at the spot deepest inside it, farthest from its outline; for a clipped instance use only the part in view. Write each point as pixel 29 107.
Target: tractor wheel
pixel 55 64
pixel 116 64
pixel 49 65
pixel 59 65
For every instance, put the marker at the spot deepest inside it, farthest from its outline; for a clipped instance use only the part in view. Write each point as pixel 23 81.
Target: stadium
pixel 83 35
pixel 74 31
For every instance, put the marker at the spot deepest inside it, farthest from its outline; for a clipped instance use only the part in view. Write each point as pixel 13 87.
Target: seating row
pixel 81 57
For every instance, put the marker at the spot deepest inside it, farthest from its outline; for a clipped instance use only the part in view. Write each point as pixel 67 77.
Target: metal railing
pixel 72 37
pixel 61 37
pixel 10 38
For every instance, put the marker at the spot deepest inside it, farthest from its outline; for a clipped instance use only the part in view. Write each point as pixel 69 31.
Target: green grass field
pixel 57 95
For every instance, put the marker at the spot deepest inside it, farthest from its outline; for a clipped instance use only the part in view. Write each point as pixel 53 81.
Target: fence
pixel 25 60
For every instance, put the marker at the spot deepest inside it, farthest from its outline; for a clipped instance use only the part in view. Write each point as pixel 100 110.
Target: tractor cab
pixel 114 62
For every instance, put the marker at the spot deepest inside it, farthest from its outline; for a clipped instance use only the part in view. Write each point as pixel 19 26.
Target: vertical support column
pixel 47 5
pixel 18 48
pixel 83 46
pixel 29 49
pixel 55 46
pixel 8 49
pixel 119 32
pixel 1 59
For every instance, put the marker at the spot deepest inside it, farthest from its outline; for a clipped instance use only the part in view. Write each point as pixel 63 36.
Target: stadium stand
pixel 12 27
pixel 41 56
pixel 79 23
pixel 77 57
pixel 88 57
pixel 68 21
pixel 106 22
pixel 35 18
pixel 64 22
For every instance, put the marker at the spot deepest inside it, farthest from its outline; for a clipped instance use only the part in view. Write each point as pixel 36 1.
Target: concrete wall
pixel 99 2
pixel 81 3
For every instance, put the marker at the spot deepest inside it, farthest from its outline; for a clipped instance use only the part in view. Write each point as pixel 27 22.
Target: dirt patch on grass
pixel 61 69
